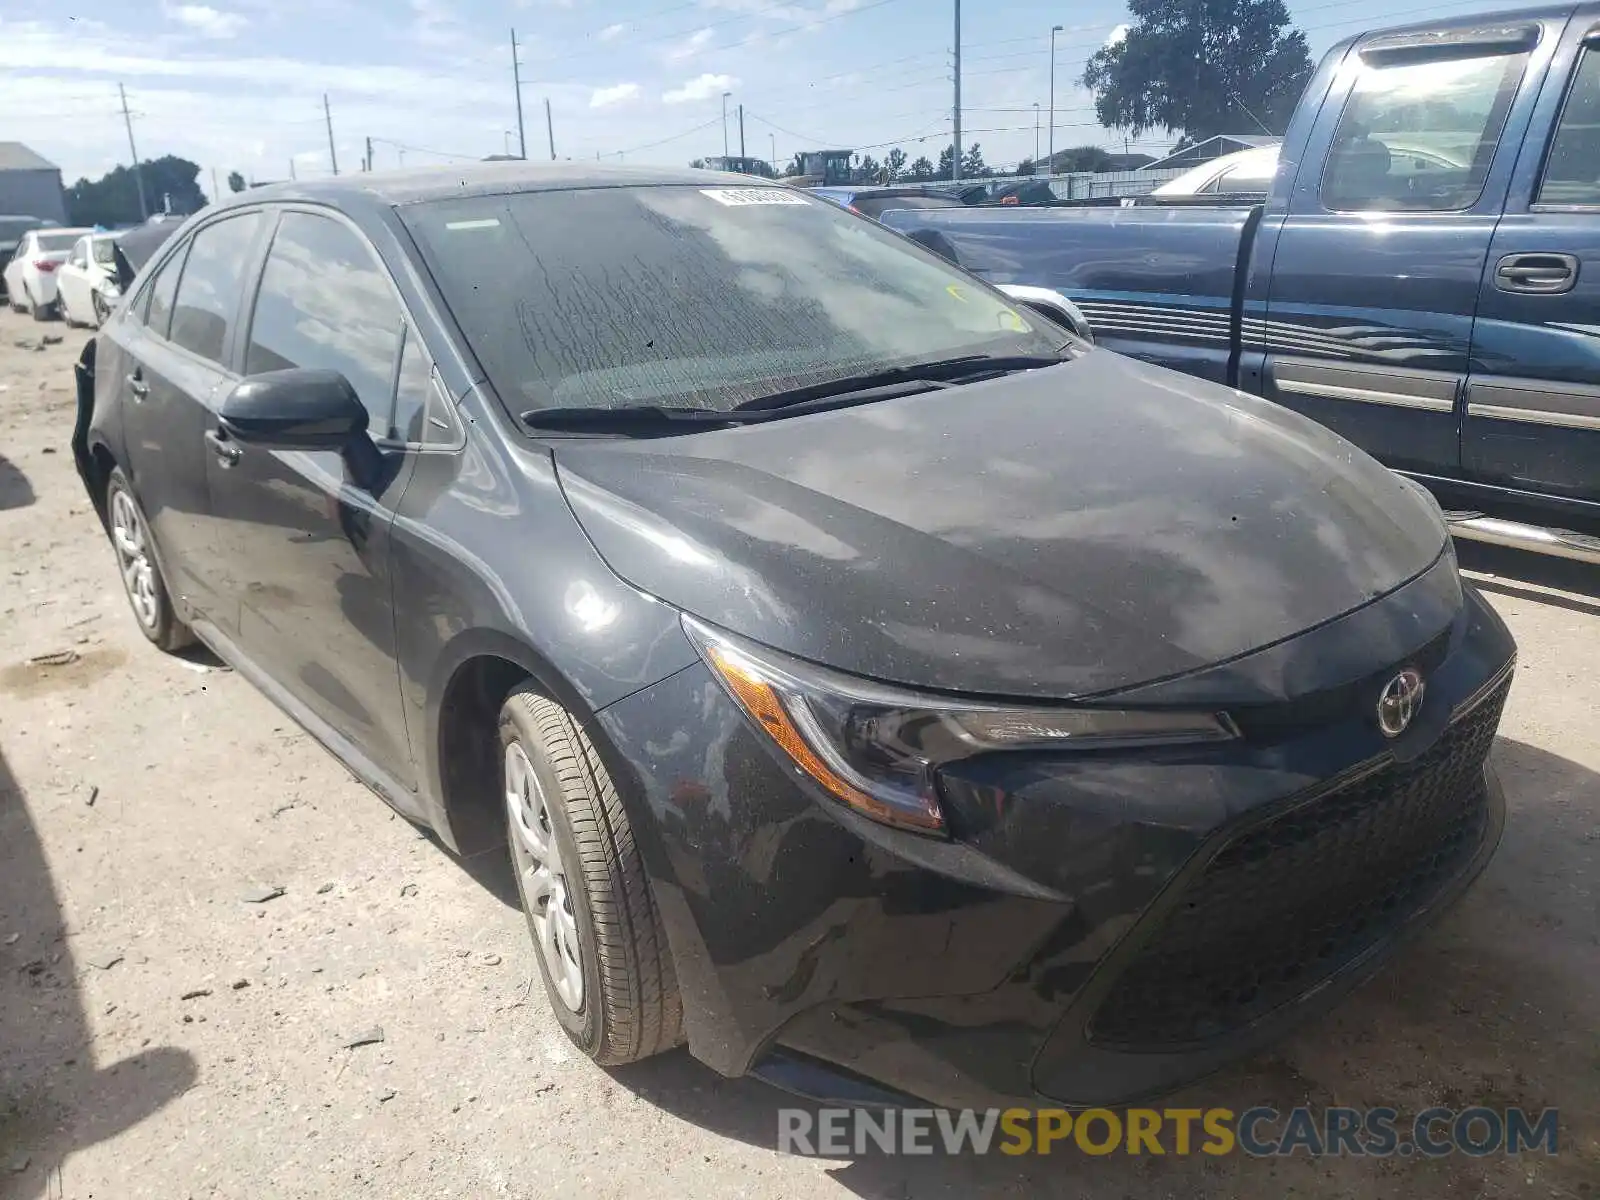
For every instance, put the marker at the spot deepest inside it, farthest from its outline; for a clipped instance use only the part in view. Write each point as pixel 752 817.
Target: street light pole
pixel 1036 134
pixel 725 96
pixel 1051 169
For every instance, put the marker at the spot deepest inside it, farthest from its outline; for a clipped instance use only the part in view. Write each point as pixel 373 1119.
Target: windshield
pixel 55 243
pixel 698 297
pixel 103 250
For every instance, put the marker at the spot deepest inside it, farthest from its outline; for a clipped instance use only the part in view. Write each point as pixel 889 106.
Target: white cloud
pixel 703 88
pixel 1118 36
pixel 204 20
pixel 690 46
pixel 613 31
pixel 620 94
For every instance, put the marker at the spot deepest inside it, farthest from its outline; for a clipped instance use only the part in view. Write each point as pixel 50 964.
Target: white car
pixel 86 284
pixel 31 273
pixel 1244 172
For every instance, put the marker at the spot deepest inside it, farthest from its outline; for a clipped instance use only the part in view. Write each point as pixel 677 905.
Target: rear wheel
pixel 141 574
pixel 40 312
pixel 596 932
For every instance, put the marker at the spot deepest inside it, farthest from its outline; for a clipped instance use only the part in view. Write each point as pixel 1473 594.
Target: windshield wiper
pixel 835 393
pixel 943 372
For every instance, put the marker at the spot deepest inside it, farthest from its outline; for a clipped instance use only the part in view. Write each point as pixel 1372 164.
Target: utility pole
pixel 955 159
pixel 1051 169
pixel 138 175
pixel 516 81
pixel 327 114
pixel 741 131
pixel 774 138
pixel 368 165
pixel 291 169
pixel 1036 135
pixel 550 128
pixel 216 192
pixel 725 96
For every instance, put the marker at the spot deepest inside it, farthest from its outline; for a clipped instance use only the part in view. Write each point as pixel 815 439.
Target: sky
pixel 238 85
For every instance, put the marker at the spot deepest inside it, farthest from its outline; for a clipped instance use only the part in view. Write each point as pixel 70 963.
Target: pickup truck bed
pixel 1424 277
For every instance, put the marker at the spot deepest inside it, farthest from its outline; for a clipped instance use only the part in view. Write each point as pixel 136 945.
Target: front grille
pixel 1288 902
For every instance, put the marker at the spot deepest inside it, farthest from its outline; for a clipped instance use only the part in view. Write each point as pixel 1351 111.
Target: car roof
pixel 420 185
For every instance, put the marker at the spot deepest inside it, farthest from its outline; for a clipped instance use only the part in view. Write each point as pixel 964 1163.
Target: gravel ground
pixel 166 1033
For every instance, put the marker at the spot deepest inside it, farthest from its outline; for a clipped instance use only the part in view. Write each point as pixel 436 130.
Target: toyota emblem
pixel 1399 702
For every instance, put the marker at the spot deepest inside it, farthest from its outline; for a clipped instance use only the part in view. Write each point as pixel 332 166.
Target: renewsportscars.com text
pixel 1257 1132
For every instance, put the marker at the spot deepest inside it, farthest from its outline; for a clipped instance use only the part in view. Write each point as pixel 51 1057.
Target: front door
pixel 308 541
pixel 1376 264
pixel 1533 402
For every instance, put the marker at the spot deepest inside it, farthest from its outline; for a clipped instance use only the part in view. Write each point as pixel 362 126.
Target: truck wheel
pixel 141 574
pixel 596 932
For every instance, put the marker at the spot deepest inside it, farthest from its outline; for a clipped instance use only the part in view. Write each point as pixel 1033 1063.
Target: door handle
pixel 137 386
pixel 1537 274
pixel 225 448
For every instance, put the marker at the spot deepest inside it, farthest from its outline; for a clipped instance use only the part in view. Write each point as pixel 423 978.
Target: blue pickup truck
pixel 1424 277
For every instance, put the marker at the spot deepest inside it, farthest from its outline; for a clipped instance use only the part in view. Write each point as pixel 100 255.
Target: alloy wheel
pixel 543 877
pixel 138 571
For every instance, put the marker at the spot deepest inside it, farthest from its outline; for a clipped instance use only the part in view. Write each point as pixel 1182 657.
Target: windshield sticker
pixel 480 223
pixel 736 197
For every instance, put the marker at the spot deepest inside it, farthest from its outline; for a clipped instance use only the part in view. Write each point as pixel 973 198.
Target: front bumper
pixel 1102 926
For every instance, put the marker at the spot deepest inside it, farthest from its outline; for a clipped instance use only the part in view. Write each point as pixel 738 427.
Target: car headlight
pixel 878 749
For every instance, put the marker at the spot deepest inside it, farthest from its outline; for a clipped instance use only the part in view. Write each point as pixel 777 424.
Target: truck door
pixel 1377 261
pixel 1533 400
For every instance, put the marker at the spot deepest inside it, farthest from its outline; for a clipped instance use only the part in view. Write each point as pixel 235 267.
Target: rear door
pixel 1377 264
pixel 307 542
pixel 1533 405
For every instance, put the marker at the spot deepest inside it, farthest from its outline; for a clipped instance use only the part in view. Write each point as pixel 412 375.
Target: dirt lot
pixel 161 1036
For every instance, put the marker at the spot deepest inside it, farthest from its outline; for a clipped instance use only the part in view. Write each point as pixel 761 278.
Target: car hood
pixel 1056 533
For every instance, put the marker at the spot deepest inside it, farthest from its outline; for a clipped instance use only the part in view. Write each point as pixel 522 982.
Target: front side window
pixel 325 302
pixel 1420 136
pixel 704 297
pixel 208 293
pixel 1572 172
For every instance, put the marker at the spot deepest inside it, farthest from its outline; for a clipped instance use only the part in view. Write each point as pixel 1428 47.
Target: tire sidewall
pixel 165 618
pixel 584 1028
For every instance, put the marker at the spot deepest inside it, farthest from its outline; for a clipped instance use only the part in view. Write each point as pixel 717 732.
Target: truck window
pixel 1572 172
pixel 1420 136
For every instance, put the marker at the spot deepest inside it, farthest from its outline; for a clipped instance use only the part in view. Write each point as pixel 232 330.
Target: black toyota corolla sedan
pixel 880 690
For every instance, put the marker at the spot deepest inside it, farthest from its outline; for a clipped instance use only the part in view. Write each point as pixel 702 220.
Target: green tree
pixel 235 181
pixel 869 171
pixel 1082 158
pixel 794 167
pixel 697 164
pixel 947 159
pixel 894 163
pixel 1202 67
pixel 972 164
pixel 1026 167
pixel 921 170
pixel 169 184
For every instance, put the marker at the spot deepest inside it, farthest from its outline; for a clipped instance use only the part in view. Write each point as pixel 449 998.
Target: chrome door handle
pixel 1537 274
pixel 225 448
pixel 138 386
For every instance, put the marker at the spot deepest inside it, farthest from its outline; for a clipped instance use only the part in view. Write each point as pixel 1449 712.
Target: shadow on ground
pixel 54 1098
pixel 1512 570
pixel 15 490
pixel 1494 1005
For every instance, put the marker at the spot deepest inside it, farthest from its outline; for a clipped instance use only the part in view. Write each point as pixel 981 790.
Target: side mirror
pixel 298 409
pixel 1053 306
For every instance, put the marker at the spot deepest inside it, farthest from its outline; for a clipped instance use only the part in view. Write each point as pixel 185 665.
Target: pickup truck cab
pixel 1424 277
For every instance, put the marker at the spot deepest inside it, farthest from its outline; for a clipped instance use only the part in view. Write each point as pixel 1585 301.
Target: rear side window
pixel 208 293
pixel 158 313
pixel 325 302
pixel 1572 172
pixel 1420 136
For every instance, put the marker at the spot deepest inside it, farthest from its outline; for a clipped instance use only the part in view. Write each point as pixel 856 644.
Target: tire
pixel 628 1007
pixel 142 581
pixel 63 312
pixel 40 312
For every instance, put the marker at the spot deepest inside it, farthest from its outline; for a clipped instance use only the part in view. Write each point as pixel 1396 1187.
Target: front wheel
pixel 141 574
pixel 596 931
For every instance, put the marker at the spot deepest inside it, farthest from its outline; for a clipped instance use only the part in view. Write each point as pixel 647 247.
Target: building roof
pixel 414 185
pixel 14 156
pixel 1214 147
